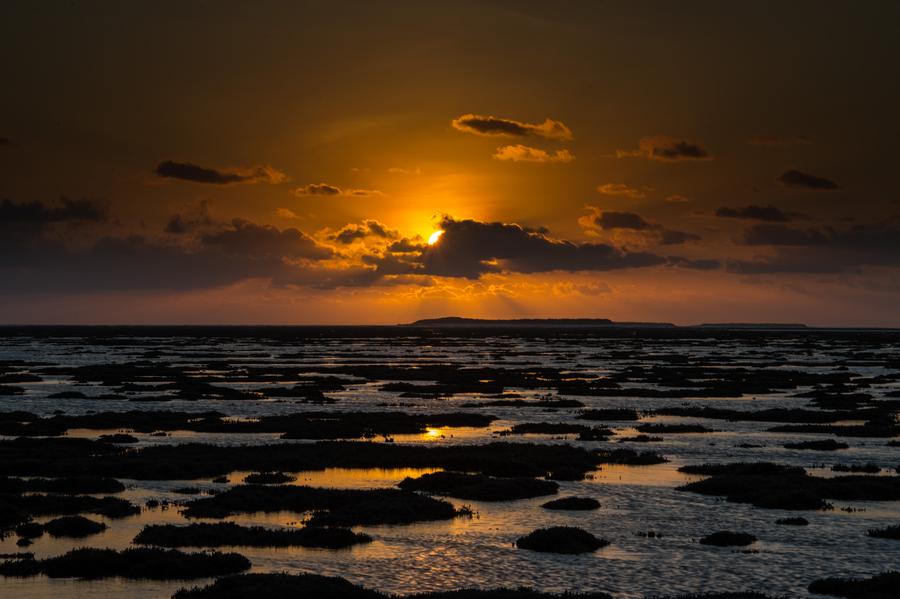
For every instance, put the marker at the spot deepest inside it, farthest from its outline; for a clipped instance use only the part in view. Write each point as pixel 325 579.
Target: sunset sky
pixel 287 162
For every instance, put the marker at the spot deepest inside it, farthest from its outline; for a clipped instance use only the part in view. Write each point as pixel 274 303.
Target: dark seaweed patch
pixel 230 534
pixel 796 491
pixel 796 521
pixel 150 564
pixel 561 539
pixel 73 527
pixel 572 503
pixel 293 586
pixel 61 457
pixel 663 428
pixel 890 532
pixel 268 478
pixel 726 538
pixel 826 445
pixel 331 507
pixel 82 485
pixel 880 586
pixel 479 487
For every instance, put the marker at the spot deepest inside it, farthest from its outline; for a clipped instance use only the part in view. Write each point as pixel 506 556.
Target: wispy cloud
pixel 522 153
pixel 799 179
pixel 492 125
pixel 621 189
pixel 325 189
pixel 187 171
pixel 666 149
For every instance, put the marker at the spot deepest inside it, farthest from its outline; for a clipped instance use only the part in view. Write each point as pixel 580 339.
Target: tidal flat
pixel 385 461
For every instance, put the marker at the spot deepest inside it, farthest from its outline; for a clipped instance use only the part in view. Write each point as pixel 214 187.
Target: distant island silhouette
pixel 459 321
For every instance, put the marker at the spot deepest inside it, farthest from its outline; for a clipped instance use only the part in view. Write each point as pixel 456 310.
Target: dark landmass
pixel 458 321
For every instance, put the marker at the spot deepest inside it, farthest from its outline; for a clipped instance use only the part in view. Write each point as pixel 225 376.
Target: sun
pixel 434 237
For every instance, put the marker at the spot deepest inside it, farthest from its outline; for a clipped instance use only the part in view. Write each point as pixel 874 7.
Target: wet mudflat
pixel 408 461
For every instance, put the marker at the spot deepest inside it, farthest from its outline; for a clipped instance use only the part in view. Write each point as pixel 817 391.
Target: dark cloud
pixel 470 248
pixel 492 125
pixel 369 228
pixel 621 220
pixel 324 189
pixel 795 178
pixel 699 264
pixel 522 153
pixel 782 235
pixel 250 239
pixel 236 251
pixel 180 225
pixel 670 237
pixel 186 171
pixel 654 233
pixel 778 140
pixel 821 249
pixel 769 213
pixel 667 149
pixel 65 210
pixel 407 246
pixel 318 189
pixel 5 141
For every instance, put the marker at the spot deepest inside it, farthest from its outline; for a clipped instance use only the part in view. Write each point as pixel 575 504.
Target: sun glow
pixel 435 237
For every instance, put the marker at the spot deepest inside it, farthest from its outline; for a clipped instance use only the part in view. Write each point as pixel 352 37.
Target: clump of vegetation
pixel 726 538
pixel 880 586
pixel 230 534
pixel 572 503
pixel 269 478
pixel 795 521
pixel 891 532
pixel 479 486
pixel 74 527
pixel 331 507
pixel 150 564
pixel 561 539
pixel 825 445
